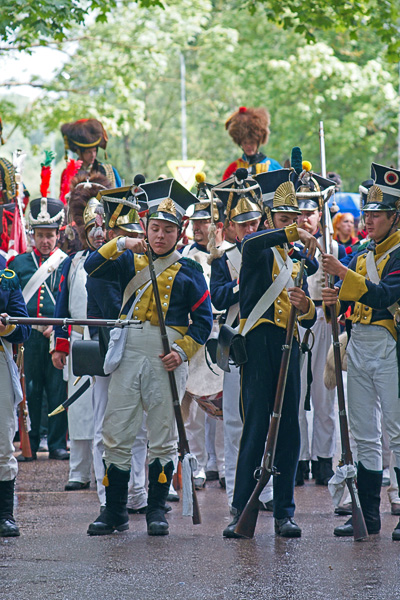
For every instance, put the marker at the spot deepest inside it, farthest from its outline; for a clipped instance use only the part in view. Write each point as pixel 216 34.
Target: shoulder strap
pixel 272 293
pixel 373 274
pixel 43 272
pixel 234 260
pixel 160 265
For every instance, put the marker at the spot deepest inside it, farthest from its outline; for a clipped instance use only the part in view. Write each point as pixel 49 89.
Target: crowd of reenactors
pixel 256 256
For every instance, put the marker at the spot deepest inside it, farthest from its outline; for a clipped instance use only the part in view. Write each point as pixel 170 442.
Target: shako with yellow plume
pixel 204 205
pixel 312 190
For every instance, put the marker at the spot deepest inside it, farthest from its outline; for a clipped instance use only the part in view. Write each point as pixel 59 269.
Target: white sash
pixel 43 272
pixel 160 265
pixel 234 261
pixel 372 271
pixel 272 293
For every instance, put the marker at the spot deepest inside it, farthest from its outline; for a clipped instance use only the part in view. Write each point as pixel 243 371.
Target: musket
pixel 23 409
pixel 66 322
pixel 359 527
pixel 248 519
pixel 183 443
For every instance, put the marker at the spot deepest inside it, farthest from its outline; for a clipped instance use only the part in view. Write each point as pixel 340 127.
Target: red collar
pixel 36 251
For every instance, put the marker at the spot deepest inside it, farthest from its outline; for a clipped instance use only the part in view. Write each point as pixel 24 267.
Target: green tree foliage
pixel 24 23
pixel 380 18
pixel 126 73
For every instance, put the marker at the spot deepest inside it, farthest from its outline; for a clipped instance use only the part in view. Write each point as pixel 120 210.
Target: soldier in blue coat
pixel 140 381
pixel 370 285
pixel 11 303
pixel 264 255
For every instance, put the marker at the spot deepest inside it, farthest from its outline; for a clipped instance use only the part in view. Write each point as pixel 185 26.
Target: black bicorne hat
pixel 167 200
pixel 384 194
pixel 121 208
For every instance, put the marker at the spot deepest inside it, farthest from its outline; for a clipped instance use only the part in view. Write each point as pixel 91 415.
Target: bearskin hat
pixel 249 124
pixel 83 134
pixel 81 190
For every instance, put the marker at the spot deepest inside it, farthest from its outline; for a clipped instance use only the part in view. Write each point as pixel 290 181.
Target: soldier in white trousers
pixel 72 302
pixel 104 301
pixel 139 367
pixel 311 197
pixel 11 302
pixel 371 286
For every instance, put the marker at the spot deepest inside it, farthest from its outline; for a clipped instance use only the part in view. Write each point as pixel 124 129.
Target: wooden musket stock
pixel 23 409
pixel 248 519
pixel 359 527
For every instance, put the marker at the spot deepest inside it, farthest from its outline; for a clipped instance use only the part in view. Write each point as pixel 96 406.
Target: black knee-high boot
pixel 115 515
pixel 369 485
pixel 159 482
pixel 8 527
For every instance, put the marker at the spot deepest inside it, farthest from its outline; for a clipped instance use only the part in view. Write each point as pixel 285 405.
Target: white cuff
pixel 179 350
pixel 121 244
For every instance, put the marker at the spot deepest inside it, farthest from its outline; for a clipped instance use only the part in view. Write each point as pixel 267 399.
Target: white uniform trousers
pixel 195 427
pixel 233 431
pixel 140 383
pixel 372 390
pixel 99 400
pixel 8 463
pixel 215 445
pixel 80 426
pixel 323 433
pixel 137 495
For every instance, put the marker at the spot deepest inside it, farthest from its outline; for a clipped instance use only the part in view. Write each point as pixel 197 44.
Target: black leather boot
pixel 302 473
pixel 114 517
pixel 159 481
pixel 369 485
pixel 8 527
pixel 324 471
pixel 229 531
pixel 286 527
pixel 314 469
pixel 396 532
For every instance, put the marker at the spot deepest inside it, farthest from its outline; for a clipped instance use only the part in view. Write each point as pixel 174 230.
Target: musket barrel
pixel 65 322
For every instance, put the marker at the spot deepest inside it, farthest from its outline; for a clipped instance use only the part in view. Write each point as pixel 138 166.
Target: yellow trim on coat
pixel 353 286
pixel 109 250
pixel 9 329
pixel 310 313
pixel 292 233
pixel 188 345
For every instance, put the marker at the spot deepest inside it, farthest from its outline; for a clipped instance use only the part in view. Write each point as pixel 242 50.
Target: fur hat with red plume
pixel 249 124
pixel 83 134
pixel 46 212
pixel 82 189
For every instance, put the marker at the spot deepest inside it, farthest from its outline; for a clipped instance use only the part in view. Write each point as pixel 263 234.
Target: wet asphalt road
pixel 54 559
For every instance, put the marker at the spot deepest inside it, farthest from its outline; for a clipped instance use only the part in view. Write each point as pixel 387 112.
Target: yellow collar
pixel 388 243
